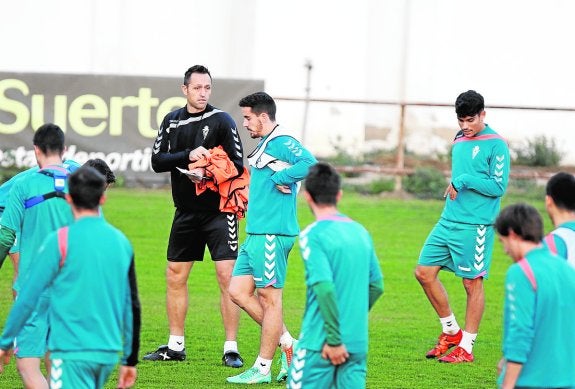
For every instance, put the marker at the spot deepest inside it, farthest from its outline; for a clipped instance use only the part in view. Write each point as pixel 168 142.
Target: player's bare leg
pixel 433 288
pixel 177 295
pixel 230 314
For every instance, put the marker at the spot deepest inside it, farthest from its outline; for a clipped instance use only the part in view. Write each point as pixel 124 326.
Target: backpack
pixel 60 176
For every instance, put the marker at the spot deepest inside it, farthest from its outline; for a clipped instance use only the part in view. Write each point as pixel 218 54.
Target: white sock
pixel 263 365
pixel 286 340
pixel 230 345
pixel 467 341
pixel 176 343
pixel 449 324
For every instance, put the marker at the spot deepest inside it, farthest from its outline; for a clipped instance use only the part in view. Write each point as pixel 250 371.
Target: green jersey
pixel 94 309
pixel 480 174
pixel 279 159
pixel 561 241
pixel 34 219
pixel 340 251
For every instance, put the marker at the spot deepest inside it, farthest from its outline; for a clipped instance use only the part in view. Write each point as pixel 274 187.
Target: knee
pixel 237 294
pixel 175 278
pixel 473 286
pixel 423 275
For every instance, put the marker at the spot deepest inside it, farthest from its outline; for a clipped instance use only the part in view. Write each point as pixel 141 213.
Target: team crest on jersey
pixel 205 131
pixel 475 152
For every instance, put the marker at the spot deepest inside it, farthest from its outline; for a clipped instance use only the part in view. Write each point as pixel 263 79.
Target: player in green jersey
pixel 560 205
pixel 94 308
pixel 462 240
pixel 343 280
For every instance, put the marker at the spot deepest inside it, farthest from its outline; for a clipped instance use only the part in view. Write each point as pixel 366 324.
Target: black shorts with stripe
pixel 192 231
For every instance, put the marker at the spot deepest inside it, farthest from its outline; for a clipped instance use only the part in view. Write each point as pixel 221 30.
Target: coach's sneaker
pixel 251 376
pixel 285 362
pixel 458 355
pixel 163 353
pixel 444 343
pixel 232 359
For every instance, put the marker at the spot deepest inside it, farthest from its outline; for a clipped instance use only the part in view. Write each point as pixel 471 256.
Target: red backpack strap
pixel 63 244
pixel 526 267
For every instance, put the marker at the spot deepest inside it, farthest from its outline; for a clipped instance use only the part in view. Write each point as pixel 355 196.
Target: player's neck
pixel 563 217
pixel 48 160
pixel 325 211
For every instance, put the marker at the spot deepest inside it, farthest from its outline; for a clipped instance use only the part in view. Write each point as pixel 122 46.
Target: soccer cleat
pixel 285 362
pixel 251 376
pixel 163 353
pixel 232 359
pixel 444 343
pixel 458 355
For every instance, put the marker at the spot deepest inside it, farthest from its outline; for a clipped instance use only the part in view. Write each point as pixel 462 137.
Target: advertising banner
pixel 115 118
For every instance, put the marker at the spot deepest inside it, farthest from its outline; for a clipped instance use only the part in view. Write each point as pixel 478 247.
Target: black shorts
pixel 192 231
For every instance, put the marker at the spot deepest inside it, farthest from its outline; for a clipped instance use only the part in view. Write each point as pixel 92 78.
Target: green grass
pixel 402 323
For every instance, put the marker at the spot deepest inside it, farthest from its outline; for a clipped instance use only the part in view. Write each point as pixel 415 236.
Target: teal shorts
pixel 78 374
pixel 265 258
pixel 464 249
pixel 310 370
pixel 32 339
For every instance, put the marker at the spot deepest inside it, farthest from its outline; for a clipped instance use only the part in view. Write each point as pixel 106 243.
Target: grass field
pixel 402 323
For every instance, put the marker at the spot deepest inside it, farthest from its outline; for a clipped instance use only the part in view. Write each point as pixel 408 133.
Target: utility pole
pixel 308 65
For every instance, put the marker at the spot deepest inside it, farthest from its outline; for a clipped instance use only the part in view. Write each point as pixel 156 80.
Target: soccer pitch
pixel 403 325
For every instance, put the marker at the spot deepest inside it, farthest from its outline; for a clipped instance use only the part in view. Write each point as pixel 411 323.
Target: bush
pixel 539 151
pixel 373 187
pixel 425 183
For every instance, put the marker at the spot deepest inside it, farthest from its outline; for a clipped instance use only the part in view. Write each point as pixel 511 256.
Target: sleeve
pixel 297 156
pixel 7 238
pixel 162 159
pixel 231 142
pixel 327 303
pixel 498 176
pixel 40 278
pixel 316 261
pixel 132 320
pixel 375 278
pixel 519 312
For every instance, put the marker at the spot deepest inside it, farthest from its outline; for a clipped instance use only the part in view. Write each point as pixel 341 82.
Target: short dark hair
pixel 49 138
pixel 323 184
pixel 469 103
pixel 522 219
pixel 195 69
pixel 102 167
pixel 260 102
pixel 561 188
pixel 86 187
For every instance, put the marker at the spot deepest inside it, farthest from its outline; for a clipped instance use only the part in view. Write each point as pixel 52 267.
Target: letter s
pixel 14 107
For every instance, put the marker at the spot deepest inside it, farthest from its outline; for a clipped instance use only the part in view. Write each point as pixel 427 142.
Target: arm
pixel 7 237
pixel 375 277
pixel 512 371
pixel 518 321
pixel 494 185
pixel 231 142
pixel 162 159
pixel 132 320
pixel 297 156
pixel 40 278
pixel 333 350
pixel 375 292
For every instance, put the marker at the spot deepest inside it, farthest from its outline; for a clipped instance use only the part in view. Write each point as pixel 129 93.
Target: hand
pixel 198 153
pixel 127 376
pixel 4 358
pixel 451 192
pixel 198 175
pixel 500 366
pixel 283 188
pixel 335 354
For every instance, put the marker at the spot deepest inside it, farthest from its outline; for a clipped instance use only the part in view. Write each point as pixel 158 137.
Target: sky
pixel 512 52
